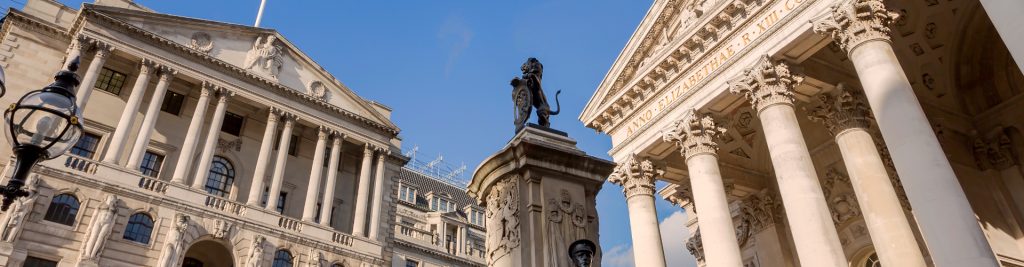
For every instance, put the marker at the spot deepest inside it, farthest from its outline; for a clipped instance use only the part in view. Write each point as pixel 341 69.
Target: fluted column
pixel 124 124
pixel 280 162
pixel 103 50
pixel 696 135
pixel 188 147
pixel 332 178
pixel 315 174
pixel 769 87
pixel 152 114
pixel 363 192
pixel 636 176
pixel 848 118
pixel 263 159
pixel 378 192
pixel 947 222
pixel 210 145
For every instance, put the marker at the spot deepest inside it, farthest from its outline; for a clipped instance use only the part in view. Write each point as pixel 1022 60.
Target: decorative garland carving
pixel 840 110
pixel 851 23
pixel 201 42
pixel 317 90
pixel 842 201
pixel 502 219
pixel 636 176
pixel 696 246
pixel 766 83
pixel 695 134
pixel 759 211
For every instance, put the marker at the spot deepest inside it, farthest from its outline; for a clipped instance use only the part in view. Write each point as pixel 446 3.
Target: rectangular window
pixel 86 146
pixel 110 81
pixel 37 262
pixel 172 103
pixel 232 124
pixel 280 202
pixel 407 194
pixel 412 263
pixel 151 163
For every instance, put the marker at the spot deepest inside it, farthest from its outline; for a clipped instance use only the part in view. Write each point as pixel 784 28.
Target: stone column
pixel 769 87
pixel 848 119
pixel 103 50
pixel 124 124
pixel 636 176
pixel 359 221
pixel 332 178
pixel 315 174
pixel 280 162
pixel 947 222
pixel 188 147
pixel 210 145
pixel 378 192
pixel 266 146
pixel 149 122
pixel 696 135
pixel 78 44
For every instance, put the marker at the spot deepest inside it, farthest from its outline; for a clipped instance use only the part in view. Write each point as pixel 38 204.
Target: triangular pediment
pixel 262 52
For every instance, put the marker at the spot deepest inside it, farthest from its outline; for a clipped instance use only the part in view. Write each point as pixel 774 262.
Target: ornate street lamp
pixel 42 125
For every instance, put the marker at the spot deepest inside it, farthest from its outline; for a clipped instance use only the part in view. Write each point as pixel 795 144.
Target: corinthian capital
pixel 636 176
pixel 840 110
pixel 853 22
pixel 766 83
pixel 695 134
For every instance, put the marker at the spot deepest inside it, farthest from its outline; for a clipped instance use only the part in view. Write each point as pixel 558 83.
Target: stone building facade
pixel 436 223
pixel 824 133
pixel 207 144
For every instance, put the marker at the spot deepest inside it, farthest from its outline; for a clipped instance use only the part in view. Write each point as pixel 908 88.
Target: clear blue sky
pixel 444 66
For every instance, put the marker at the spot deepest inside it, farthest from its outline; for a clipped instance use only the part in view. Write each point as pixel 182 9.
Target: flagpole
pixel 259 16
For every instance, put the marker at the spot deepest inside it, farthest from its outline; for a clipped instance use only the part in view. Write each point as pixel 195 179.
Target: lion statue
pixel 527 93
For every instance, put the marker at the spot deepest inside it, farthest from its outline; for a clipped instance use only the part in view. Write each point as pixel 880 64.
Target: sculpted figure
pixel 256 254
pixel 527 93
pixel 14 220
pixel 315 259
pixel 582 252
pixel 173 247
pixel 265 56
pixel 99 229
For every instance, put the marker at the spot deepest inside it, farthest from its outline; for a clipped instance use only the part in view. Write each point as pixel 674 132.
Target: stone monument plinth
pixel 539 193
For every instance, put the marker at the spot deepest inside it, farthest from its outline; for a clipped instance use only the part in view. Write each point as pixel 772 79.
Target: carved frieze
pixel 759 211
pixel 636 176
pixel 224 145
pixel 853 22
pixel 696 133
pixel 766 83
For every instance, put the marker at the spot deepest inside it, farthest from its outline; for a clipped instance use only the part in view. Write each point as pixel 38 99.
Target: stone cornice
pixel 15 16
pixel 611 103
pixel 235 71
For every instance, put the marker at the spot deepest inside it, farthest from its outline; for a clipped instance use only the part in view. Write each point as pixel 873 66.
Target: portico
pixel 831 132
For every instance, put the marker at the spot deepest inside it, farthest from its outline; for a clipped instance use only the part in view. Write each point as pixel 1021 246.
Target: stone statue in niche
pixel 14 220
pixel 99 229
pixel 318 90
pixel 256 254
pixel 527 94
pixel 172 248
pixel 201 42
pixel 266 56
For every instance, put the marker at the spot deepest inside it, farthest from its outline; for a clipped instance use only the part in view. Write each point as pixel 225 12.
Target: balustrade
pixel 225 205
pixel 152 184
pixel 290 224
pixel 81 164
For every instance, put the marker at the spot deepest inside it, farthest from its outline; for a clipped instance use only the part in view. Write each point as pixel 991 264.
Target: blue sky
pixel 444 67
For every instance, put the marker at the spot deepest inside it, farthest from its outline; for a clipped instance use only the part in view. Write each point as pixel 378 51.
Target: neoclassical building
pixel 823 133
pixel 206 144
pixel 436 223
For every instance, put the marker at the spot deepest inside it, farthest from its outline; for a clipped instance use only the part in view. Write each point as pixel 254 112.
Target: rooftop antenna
pixel 431 164
pixel 412 153
pixel 259 15
pixel 457 172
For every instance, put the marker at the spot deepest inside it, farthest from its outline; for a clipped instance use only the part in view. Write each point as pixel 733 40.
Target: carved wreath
pixel 201 42
pixel 318 90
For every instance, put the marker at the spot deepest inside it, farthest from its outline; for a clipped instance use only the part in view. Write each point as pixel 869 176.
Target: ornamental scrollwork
pixel 840 110
pixel 766 83
pixel 201 42
pixel 636 176
pixel 695 134
pixel 854 22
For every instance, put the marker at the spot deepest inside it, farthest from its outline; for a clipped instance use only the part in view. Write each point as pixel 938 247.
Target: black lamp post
pixel 42 125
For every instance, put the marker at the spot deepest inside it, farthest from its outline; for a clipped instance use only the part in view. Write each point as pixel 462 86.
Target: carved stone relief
pixel 840 196
pixel 14 219
pixel 317 90
pixel 221 229
pixel 224 145
pixel 696 246
pixel 99 229
pixel 566 222
pixel 265 57
pixel 502 219
pixel 255 258
pixel 201 42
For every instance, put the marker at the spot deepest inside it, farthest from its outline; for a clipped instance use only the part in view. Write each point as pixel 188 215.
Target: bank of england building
pixel 823 133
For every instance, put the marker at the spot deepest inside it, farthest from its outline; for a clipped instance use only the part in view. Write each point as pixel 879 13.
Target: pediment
pixel 262 52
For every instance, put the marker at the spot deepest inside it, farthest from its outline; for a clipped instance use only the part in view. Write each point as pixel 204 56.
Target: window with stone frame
pixel 151 163
pixel 221 177
pixel 232 124
pixel 139 228
pixel 110 80
pixel 282 258
pixel 411 263
pixel 441 204
pixel 173 102
pixel 63 209
pixel 86 146
pixel 407 193
pixel 38 262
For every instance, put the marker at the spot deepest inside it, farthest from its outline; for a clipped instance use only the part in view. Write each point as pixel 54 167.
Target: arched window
pixel 282 258
pixel 139 229
pixel 222 174
pixel 873 261
pixel 63 209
